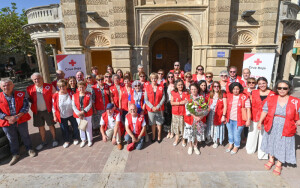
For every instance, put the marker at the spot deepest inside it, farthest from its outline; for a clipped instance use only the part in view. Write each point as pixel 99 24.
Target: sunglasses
pixel 199 69
pixel 251 82
pixel 208 76
pixel 161 73
pixel 188 77
pixel 137 86
pixel 232 71
pixel 282 88
pixel 170 76
pixel 223 75
pixel 100 79
pixel 176 65
pixel 89 78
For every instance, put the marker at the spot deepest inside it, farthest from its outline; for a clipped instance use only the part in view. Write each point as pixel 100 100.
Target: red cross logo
pixel 72 62
pixel 258 61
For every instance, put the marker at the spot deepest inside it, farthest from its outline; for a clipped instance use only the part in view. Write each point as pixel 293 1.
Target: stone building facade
pixel 155 33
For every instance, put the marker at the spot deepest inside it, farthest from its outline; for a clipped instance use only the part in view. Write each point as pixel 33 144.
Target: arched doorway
pixel 164 53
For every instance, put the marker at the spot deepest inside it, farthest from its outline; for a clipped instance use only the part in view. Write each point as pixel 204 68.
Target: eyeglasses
pixel 208 76
pixel 170 76
pixel 100 79
pixel 142 76
pixel 251 83
pixel 216 86
pixel 223 76
pixel 282 88
pixel 160 73
pixel 137 86
pixel 89 78
pixel 107 76
pixel 176 65
pixel 199 69
pixel 232 71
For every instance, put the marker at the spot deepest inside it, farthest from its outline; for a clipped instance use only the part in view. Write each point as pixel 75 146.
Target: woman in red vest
pixel 192 135
pixel 72 85
pixel 115 91
pixel 120 73
pixel 154 99
pixel 216 118
pixel 199 74
pixel 281 117
pixel 188 80
pixel 224 79
pixel 82 107
pixel 179 97
pixel 124 95
pixel 63 112
pixel 237 102
pixel 100 100
pixel 168 88
pixel 258 99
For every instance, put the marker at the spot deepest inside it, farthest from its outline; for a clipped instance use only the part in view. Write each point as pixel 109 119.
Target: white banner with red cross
pixel 260 64
pixel 71 64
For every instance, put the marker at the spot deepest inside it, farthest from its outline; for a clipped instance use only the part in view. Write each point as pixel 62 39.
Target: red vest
pixel 257 104
pixel 99 105
pixel 145 85
pixel 105 119
pixel 47 93
pixel 55 98
pixel 138 125
pixel 132 101
pixel 162 82
pixel 159 95
pixel 115 95
pixel 86 102
pixel 292 115
pixel 218 111
pixel 241 103
pixel 238 79
pixel 179 109
pixel 4 107
pixel 124 99
pixel 54 83
pixel 194 77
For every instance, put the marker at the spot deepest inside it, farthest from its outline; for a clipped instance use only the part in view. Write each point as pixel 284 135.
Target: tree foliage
pixel 13 39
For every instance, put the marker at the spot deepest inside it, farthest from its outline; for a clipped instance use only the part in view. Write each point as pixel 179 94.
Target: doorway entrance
pixel 237 59
pixel 101 59
pixel 164 53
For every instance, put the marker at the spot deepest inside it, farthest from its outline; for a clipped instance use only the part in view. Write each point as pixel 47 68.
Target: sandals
pixel 275 172
pixel 269 165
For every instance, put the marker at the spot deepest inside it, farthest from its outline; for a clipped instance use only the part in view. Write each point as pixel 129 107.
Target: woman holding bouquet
pixel 179 98
pixel 216 118
pixel 194 129
pixel 237 102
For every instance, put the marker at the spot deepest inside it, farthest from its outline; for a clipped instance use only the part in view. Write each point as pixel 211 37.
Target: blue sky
pixel 25 4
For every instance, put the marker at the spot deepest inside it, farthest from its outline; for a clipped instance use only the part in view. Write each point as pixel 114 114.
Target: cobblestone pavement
pixel 157 165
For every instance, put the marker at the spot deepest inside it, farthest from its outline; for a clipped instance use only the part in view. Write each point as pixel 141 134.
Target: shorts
pixel 41 117
pixel 156 118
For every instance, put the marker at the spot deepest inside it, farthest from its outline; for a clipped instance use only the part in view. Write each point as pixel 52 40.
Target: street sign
pixel 220 54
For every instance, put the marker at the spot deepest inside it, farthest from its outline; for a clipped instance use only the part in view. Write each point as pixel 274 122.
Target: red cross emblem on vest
pixel 20 94
pixel 72 62
pixel 140 119
pixel 258 61
pixel 47 87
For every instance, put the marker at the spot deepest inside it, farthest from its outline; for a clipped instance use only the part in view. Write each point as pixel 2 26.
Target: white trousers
pixel 89 129
pixel 254 136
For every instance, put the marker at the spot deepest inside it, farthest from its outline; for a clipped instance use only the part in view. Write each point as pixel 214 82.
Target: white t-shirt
pixel 111 121
pixel 134 119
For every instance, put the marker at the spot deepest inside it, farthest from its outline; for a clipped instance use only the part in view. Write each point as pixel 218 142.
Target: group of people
pixel 129 107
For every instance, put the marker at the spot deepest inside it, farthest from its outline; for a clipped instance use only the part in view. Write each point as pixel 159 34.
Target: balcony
pixel 44 21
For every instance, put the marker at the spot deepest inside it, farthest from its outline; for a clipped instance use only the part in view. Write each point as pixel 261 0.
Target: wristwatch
pixel 114 137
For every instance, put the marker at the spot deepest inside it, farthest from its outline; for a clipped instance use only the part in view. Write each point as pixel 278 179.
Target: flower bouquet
pixel 198 107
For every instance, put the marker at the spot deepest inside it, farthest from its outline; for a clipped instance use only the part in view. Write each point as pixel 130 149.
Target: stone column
pixel 288 48
pixel 43 62
pixel 88 60
pixel 38 56
pixel 53 46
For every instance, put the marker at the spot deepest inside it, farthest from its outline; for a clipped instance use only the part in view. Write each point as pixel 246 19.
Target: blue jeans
pixel 11 133
pixel 234 133
pixel 65 128
pixel 138 145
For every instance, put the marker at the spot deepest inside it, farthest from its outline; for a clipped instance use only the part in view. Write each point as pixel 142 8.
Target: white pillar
pixel 43 60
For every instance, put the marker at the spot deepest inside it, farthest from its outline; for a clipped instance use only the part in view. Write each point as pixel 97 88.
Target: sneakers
pixel 54 143
pixel 75 142
pixel 31 153
pixel 82 144
pixel 66 144
pixel 190 150
pixel 90 144
pixel 14 160
pixel 197 152
pixel 120 147
pixel 215 145
pixel 41 146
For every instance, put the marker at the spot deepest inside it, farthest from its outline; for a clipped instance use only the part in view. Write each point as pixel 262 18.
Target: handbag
pixel 83 124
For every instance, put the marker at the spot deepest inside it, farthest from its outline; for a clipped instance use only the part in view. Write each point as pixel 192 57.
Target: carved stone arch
pixel 183 20
pixel 243 37
pixel 97 39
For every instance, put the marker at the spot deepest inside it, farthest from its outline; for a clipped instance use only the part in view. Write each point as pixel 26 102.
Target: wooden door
pixel 101 59
pixel 164 53
pixel 237 59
